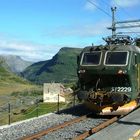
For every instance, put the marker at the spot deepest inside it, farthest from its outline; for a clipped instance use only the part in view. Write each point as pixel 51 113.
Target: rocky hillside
pixel 15 63
pixel 61 68
pixel 7 77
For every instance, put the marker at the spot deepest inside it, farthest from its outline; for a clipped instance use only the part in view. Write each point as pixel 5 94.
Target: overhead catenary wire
pixel 99 8
pixel 122 9
pixel 128 24
pixel 116 5
pixel 4 105
pixel 106 3
pixel 127 15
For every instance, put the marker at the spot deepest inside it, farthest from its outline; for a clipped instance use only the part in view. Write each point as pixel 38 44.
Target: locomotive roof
pixel 114 47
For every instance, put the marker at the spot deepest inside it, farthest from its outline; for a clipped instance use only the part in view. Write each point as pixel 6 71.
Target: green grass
pixel 14 89
pixel 31 111
pixel 9 83
pixel 28 92
pixel 42 108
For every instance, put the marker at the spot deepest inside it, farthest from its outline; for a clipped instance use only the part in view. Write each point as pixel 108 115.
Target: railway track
pixel 77 129
pixel 66 130
pixel 55 128
pixel 96 129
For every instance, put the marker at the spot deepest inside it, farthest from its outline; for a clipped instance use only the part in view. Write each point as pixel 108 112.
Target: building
pixel 51 92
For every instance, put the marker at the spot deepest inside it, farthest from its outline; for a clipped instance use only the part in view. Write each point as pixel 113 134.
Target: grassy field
pixel 31 111
pixel 28 108
pixel 10 88
pixel 7 90
pixel 6 96
pixel 22 96
pixel 43 108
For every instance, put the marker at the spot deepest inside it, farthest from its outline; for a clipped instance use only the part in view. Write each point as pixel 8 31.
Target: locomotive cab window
pixel 116 58
pixel 91 58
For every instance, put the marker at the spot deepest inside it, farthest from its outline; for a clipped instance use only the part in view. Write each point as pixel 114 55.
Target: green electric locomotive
pixel 109 76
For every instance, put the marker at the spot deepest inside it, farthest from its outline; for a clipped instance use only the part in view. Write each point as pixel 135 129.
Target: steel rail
pixel 57 127
pixel 76 120
pixel 103 125
pixel 96 129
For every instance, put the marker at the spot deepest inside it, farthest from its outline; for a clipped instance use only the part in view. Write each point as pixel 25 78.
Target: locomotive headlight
pixel 122 71
pixel 81 71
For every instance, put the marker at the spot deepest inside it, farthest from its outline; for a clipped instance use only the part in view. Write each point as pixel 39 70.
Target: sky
pixel 37 29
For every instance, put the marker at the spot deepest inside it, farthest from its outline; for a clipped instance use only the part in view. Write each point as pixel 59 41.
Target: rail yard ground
pixel 124 129
pixel 34 125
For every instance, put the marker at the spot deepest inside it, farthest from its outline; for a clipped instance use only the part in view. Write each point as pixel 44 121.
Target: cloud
pixel 74 35
pixel 81 31
pixel 126 3
pixel 27 50
pixel 89 6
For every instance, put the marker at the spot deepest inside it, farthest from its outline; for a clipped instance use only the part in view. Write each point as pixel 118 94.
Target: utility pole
pixel 113 21
pixel 122 24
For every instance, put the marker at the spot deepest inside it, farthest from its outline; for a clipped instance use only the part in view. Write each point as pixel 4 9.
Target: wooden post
pixel 9 113
pixel 37 112
pixel 58 104
pixel 74 100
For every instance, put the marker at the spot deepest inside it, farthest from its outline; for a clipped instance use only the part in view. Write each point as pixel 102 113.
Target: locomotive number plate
pixel 121 89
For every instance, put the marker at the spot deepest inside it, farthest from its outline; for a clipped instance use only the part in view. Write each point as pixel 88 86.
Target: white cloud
pixel 27 50
pixel 126 3
pixel 36 52
pixel 85 30
pixel 89 6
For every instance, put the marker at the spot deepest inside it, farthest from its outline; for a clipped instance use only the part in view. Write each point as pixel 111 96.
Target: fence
pixel 9 113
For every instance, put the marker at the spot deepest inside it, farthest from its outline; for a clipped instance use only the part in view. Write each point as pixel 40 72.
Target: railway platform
pixel 127 128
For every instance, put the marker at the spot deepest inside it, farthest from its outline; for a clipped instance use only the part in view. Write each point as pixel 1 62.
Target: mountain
pixel 7 77
pixel 61 68
pixel 15 63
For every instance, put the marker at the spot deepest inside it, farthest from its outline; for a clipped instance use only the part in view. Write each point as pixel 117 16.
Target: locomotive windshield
pixel 91 58
pixel 116 58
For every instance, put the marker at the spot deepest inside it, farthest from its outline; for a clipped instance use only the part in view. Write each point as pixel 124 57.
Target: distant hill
pixel 15 63
pixel 7 77
pixel 61 68
pixel 11 83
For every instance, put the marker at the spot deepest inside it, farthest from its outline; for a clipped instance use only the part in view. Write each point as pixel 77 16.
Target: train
pixel 109 75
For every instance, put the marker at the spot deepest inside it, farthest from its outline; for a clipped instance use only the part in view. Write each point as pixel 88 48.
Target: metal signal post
pixel 113 21
pixel 122 24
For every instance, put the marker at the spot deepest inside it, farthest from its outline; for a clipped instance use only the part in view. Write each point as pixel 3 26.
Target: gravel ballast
pixel 19 130
pixel 24 128
pixel 74 130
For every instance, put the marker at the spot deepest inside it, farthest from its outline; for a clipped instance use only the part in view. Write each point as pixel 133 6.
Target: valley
pixel 22 89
